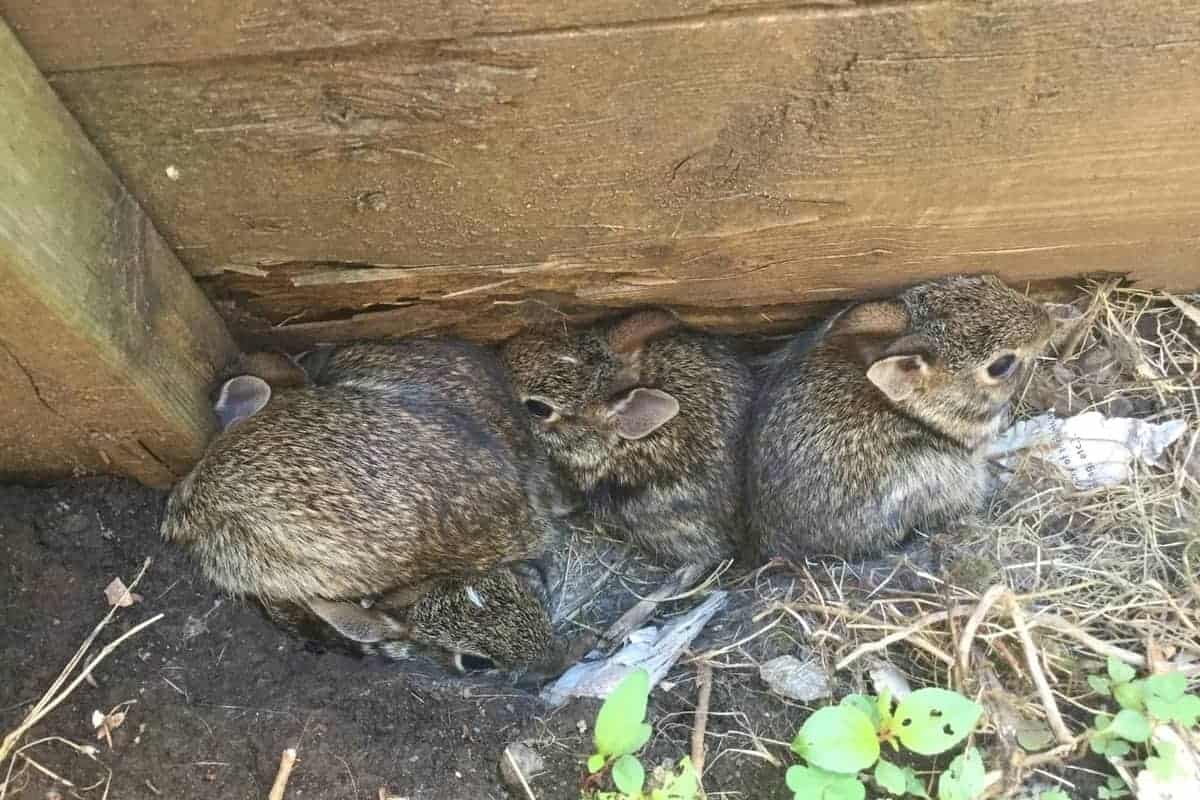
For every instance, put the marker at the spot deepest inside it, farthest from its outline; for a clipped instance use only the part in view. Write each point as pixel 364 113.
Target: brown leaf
pixel 118 594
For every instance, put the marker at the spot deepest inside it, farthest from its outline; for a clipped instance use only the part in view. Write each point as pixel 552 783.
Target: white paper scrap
pixel 1094 450
pixel 654 649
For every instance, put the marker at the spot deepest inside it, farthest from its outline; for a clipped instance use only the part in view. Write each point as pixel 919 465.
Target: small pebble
pixel 796 679
pixel 527 761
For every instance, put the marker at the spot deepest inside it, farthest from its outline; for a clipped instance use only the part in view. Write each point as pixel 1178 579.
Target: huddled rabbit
pixel 648 419
pixel 878 428
pixel 381 471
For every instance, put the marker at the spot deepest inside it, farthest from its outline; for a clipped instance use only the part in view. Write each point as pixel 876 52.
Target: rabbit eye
pixel 539 409
pixel 470 663
pixel 1002 367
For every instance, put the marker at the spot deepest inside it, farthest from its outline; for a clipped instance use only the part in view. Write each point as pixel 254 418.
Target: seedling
pixel 620 732
pixel 840 742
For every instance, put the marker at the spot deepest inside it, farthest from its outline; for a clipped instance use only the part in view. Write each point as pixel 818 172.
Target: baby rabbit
pixel 648 419
pixel 878 428
pixel 489 622
pixel 365 484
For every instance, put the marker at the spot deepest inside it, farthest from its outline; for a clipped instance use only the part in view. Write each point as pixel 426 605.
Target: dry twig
pixel 287 760
pixel 704 689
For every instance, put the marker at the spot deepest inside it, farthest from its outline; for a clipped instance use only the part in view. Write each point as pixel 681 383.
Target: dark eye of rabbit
pixel 1002 367
pixel 539 409
pixel 472 663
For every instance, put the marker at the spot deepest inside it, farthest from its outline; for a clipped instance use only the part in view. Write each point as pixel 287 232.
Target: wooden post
pixel 107 346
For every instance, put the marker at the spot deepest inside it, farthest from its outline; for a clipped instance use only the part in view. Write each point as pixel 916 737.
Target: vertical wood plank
pixel 107 346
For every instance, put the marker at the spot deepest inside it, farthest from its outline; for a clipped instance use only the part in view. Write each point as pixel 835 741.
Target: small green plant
pixel 840 742
pixel 1113 789
pixel 620 732
pixel 1141 704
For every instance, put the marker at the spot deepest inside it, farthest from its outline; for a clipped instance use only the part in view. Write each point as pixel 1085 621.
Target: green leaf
pixel 964 779
pixel 890 778
pixel 1110 746
pixel 914 785
pixel 619 729
pixel 1169 686
pixel 931 721
pixel 867 705
pixel 1130 695
pixel 837 739
pixel 1165 698
pixel 595 763
pixel 1163 766
pixel 810 783
pixel 628 775
pixel 1119 671
pixel 795 778
pixel 844 787
pixel 1130 725
pixel 1186 712
pixel 1114 789
pixel 1034 735
pixel 685 784
pixel 1100 685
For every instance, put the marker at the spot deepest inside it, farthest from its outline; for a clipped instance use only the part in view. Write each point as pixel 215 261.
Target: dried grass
pixel 1050 581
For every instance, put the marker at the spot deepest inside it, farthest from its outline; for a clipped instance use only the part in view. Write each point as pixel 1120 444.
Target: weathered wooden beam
pixel 107 346
pixel 70 35
pixel 727 163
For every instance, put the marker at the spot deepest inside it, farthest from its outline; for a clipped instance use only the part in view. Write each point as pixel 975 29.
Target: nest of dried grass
pixel 1051 580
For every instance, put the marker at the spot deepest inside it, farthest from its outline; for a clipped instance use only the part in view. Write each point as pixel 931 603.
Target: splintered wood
pixel 475 170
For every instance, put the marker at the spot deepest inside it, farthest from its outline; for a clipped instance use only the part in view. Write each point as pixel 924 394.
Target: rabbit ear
pixel 641 412
pixel 880 318
pixel 899 377
pixel 356 623
pixel 631 334
pixel 241 397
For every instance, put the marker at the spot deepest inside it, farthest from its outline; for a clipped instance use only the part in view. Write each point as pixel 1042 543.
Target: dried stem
pixel 287 760
pixel 704 688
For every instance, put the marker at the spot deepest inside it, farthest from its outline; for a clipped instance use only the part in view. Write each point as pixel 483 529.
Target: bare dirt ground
pixel 218 692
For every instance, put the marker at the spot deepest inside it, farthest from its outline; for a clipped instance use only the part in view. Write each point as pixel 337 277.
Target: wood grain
pixel 67 35
pixel 107 346
pixel 762 158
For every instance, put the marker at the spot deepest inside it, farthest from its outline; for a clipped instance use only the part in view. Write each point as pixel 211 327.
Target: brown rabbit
pixel 366 486
pixel 648 419
pixel 877 429
pixel 492 621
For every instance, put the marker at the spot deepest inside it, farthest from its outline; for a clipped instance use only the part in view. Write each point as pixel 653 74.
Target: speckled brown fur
pixel 836 467
pixel 493 617
pixel 399 465
pixel 676 492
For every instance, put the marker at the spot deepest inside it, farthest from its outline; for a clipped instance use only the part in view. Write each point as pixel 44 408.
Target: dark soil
pixel 218 692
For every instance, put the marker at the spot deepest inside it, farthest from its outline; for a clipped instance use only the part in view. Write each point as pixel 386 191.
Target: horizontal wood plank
pixel 107 346
pixel 751 160
pixel 67 35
